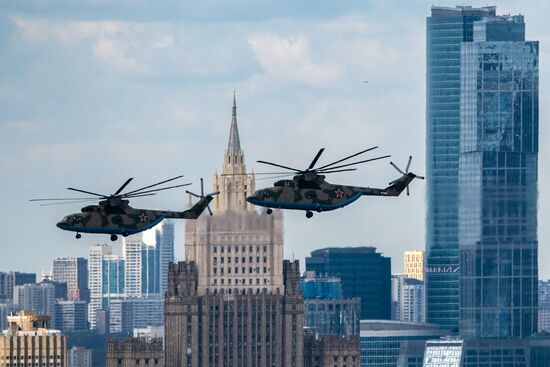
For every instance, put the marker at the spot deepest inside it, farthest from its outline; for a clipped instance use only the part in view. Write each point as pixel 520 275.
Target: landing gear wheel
pixel 125 234
pixel 269 211
pixel 78 235
pixel 114 237
pixel 309 214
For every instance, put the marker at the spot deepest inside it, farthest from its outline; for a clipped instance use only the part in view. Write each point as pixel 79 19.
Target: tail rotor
pixel 406 173
pixel 202 196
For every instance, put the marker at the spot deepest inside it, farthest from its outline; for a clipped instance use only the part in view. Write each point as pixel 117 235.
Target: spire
pixel 234 145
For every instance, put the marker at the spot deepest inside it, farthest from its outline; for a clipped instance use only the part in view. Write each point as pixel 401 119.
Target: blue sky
pixel 93 92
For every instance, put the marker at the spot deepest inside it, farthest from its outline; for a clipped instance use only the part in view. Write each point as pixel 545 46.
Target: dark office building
pixel 364 273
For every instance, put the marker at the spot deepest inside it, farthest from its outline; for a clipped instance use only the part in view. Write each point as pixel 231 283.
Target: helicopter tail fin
pixel 196 210
pixel 397 186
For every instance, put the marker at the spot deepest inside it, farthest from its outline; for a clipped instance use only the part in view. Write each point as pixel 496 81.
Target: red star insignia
pixel 339 193
pixel 143 217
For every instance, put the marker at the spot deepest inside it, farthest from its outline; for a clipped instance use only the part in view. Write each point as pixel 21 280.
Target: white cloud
pixel 289 59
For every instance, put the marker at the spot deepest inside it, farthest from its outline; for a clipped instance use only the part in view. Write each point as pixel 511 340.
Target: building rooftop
pixel 387 328
pixel 463 10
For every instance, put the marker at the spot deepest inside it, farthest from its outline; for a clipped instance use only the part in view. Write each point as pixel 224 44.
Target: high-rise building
pixel 135 352
pixel 446 28
pixel 237 247
pixel 498 182
pixel 233 301
pixel 126 314
pixel 9 280
pixel 146 264
pixel 164 237
pixel 326 311
pixel 5 310
pixel 364 273
pixel 105 279
pixel 79 357
pixel 413 264
pixel 71 315
pixel 407 298
pixel 238 327
pixel 74 272
pixel 544 306
pixel 385 342
pixel 29 342
pixel 37 297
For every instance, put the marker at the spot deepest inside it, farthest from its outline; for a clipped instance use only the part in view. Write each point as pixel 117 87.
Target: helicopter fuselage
pixel 123 219
pixel 315 194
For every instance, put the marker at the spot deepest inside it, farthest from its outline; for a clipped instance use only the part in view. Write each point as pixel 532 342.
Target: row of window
pixel 239 281
pixel 235 249
pixel 251 270
pixel 236 259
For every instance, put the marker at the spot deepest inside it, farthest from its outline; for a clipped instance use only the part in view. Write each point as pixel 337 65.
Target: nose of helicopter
pixel 252 199
pixel 64 223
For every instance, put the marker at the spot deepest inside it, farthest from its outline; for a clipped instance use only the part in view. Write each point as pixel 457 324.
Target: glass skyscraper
pixel 364 273
pixel 446 29
pixel 498 181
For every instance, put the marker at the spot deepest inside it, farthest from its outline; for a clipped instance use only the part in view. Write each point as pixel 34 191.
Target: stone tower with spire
pixel 233 301
pixel 239 247
pixel 233 184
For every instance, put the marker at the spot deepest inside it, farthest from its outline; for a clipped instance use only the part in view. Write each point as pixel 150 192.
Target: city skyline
pixel 306 85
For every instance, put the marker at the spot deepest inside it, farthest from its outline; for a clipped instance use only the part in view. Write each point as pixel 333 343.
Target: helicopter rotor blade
pixel 193 194
pixel 65 199
pixel 209 210
pixel 69 202
pixel 202 187
pixel 360 162
pixel 338 170
pixel 408 192
pixel 314 161
pixel 348 157
pixel 137 195
pixel 420 177
pixel 155 190
pixel 254 173
pixel 123 186
pixel 397 168
pixel 280 166
pixel 409 163
pixel 276 177
pixel 87 192
pixel 153 185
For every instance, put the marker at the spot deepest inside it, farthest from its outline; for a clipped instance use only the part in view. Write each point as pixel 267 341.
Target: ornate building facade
pixel 234 302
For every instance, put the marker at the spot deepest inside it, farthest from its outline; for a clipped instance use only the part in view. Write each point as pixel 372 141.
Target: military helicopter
pixel 309 191
pixel 113 215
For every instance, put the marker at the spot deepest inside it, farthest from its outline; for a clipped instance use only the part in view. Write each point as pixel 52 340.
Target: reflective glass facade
pixel 443 353
pixel 364 273
pixel 498 181
pixel 446 29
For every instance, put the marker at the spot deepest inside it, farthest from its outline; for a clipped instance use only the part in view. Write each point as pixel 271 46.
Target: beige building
pixel 234 302
pixel 238 247
pixel 29 342
pixel 135 352
pixel 414 264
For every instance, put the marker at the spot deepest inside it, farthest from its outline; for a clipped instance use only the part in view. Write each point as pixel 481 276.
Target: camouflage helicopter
pixel 113 215
pixel 309 191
